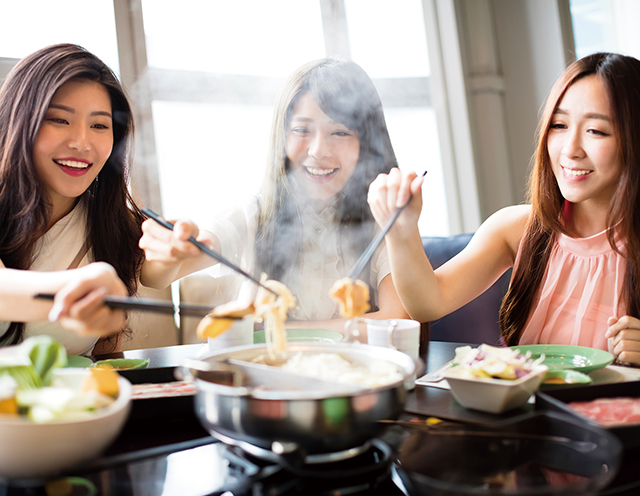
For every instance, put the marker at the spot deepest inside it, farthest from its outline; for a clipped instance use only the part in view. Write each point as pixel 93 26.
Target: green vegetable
pixel 33 362
pixel 31 365
pixel 25 376
pixel 46 354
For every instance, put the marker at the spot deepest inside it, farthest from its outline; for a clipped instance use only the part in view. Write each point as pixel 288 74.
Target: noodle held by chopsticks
pixel 273 311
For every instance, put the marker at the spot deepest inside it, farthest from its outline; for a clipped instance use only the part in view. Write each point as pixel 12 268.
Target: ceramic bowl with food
pixel 495 395
pixel 492 379
pixel 35 450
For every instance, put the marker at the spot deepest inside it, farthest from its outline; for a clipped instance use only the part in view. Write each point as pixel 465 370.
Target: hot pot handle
pixel 219 372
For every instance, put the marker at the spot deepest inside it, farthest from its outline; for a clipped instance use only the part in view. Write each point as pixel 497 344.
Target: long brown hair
pixel 113 219
pixel 620 76
pixel 345 93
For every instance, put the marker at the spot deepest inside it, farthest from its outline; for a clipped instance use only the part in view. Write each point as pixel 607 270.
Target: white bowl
pixel 494 395
pixel 30 450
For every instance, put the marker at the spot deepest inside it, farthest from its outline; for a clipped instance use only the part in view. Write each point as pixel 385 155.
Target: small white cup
pixel 239 334
pixel 400 334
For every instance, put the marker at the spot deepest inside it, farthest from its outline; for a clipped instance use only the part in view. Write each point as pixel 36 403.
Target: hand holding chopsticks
pixel 152 215
pixel 373 246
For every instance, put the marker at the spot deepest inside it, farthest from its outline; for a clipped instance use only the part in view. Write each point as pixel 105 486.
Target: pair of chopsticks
pixel 373 246
pixel 147 305
pixel 152 215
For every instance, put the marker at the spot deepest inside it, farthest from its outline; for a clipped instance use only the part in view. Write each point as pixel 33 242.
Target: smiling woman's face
pixel 74 142
pixel 583 145
pixel 323 153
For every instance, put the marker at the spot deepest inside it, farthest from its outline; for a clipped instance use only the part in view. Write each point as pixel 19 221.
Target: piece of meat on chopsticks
pixel 222 317
pixel 351 296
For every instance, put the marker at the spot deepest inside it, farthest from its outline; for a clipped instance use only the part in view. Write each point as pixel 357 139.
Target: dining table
pixel 166 451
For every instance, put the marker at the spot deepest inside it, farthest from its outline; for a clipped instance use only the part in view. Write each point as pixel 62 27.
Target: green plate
pixel 564 378
pixel 78 361
pixel 124 363
pixel 321 335
pixel 565 357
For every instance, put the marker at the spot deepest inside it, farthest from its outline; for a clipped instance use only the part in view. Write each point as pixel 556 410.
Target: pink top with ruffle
pixel 579 292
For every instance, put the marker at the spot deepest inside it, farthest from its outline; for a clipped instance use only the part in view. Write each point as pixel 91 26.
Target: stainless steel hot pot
pixel 305 422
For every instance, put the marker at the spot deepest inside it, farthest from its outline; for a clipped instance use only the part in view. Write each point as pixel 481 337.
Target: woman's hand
pixel 78 305
pixel 169 247
pixel 169 255
pixel 624 339
pixel 388 192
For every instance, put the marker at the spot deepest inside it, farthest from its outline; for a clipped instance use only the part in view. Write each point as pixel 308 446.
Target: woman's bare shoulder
pixel 507 226
pixel 513 215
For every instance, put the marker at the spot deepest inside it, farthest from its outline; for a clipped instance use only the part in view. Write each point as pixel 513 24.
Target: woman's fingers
pixel 624 339
pixel 416 184
pixel 165 245
pixel 394 181
pixel 388 192
pixel 616 325
pixel 79 306
pixel 377 199
pixel 405 191
pixel 89 316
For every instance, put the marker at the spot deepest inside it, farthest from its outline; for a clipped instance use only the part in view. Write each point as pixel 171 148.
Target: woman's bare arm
pixel 78 297
pixel 427 294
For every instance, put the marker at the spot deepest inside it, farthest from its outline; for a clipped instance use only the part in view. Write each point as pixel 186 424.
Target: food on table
pixel 44 355
pixel 122 363
pixel 222 317
pixel 102 380
pixel 609 411
pixel 273 311
pixel 556 380
pixel 8 402
pixel 162 390
pixel 334 367
pixel 352 297
pixel 30 387
pixel 565 377
pixel 490 362
pixel 271 308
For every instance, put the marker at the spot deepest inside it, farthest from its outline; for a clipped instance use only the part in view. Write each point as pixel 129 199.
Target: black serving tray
pixel 557 399
pixel 440 403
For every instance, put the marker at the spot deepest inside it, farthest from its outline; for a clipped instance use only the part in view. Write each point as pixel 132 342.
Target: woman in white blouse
pixel 311 221
pixel 67 222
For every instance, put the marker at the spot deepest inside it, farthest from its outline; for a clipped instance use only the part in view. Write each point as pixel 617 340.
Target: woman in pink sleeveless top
pixel 575 248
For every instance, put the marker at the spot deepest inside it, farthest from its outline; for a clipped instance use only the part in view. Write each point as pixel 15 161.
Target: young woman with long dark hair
pixel 311 222
pixel 67 221
pixel 575 248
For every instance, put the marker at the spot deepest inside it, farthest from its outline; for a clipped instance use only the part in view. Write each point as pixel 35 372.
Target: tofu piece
pixel 103 380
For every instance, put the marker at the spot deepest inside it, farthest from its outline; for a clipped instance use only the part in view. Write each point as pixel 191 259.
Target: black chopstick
pixel 373 246
pixel 147 305
pixel 151 214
